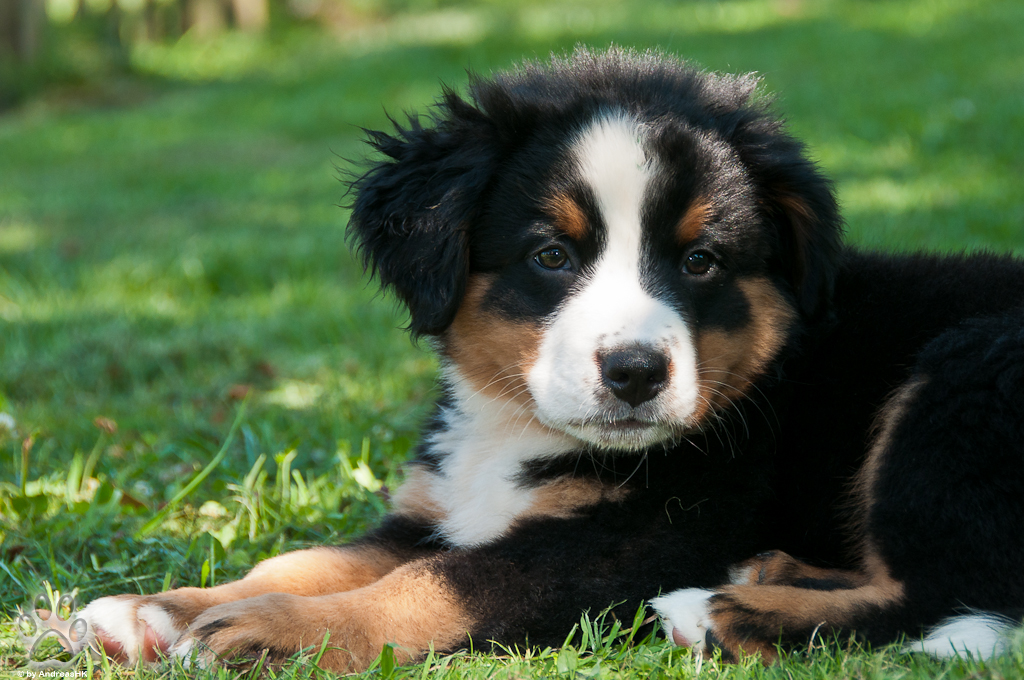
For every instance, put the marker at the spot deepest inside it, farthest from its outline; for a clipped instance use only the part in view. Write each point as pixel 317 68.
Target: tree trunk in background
pixel 206 17
pixel 251 15
pixel 21 28
pixel 117 37
pixel 8 33
pixel 165 19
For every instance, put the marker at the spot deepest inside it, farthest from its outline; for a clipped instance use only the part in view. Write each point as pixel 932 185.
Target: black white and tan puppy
pixel 663 375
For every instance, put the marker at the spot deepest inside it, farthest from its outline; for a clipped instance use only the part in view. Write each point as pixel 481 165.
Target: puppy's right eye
pixel 552 258
pixel 699 263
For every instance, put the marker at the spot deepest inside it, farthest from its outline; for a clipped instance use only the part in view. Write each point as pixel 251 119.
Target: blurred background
pixel 171 240
pixel 83 42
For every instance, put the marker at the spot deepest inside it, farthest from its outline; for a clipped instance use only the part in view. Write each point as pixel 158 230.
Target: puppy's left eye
pixel 699 262
pixel 553 258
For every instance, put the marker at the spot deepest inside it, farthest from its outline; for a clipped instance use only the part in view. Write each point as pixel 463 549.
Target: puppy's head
pixel 618 243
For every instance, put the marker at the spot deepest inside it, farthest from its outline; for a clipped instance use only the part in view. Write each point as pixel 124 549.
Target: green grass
pixel 158 257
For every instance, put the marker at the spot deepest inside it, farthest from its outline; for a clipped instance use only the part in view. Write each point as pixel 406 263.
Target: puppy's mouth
pixel 621 425
pixel 628 433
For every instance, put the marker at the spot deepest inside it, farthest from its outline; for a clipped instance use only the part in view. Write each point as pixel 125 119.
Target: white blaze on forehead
pixel 611 307
pixel 613 162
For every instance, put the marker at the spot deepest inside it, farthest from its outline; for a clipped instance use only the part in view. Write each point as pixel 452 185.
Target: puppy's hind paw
pixel 685 616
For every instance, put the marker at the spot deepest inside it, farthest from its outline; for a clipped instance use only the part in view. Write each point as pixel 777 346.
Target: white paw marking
pixel 157 619
pixel 980 635
pixel 685 615
pixel 124 620
pixel 116 617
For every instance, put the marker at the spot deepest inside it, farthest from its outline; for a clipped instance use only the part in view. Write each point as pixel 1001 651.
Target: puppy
pixel 662 374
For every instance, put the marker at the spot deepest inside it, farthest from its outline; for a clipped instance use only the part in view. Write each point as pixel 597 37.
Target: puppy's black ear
pixel 413 210
pixel 800 201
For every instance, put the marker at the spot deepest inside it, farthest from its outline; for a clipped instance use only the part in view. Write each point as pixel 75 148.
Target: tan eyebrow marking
pixel 693 221
pixel 568 216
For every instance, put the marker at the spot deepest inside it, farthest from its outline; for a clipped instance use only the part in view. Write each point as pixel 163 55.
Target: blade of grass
pixel 90 463
pixel 152 524
pixel 26 449
pixel 323 648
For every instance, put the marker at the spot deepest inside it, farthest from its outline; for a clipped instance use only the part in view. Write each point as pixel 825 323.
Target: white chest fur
pixel 483 448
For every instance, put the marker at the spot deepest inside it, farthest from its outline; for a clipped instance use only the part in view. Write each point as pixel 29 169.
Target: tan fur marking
pixel 493 353
pixel 734 645
pixel 885 425
pixel 729 362
pixel 798 607
pixel 801 608
pixel 413 609
pixel 802 218
pixel 565 497
pixel 415 498
pixel 568 216
pixel 317 571
pixel 693 221
pixel 410 607
pixel 795 206
pixel 779 569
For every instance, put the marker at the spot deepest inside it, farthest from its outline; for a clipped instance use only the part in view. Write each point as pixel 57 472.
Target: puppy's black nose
pixel 634 374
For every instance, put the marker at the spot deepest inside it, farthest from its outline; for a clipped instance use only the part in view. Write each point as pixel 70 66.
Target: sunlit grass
pixel 158 261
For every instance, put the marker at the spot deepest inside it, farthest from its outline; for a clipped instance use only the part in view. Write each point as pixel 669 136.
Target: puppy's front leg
pixel 412 607
pixel 134 627
pixel 530 586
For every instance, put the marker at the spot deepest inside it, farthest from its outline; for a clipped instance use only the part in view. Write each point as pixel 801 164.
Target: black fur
pixel 411 217
pixel 437 205
pixel 897 511
pixel 776 471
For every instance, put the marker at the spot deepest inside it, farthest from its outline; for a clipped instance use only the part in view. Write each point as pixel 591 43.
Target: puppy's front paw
pixel 130 628
pixel 283 625
pixel 244 628
pixel 685 616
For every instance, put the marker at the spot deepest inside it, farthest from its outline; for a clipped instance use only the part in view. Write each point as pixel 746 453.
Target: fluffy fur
pixel 662 374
